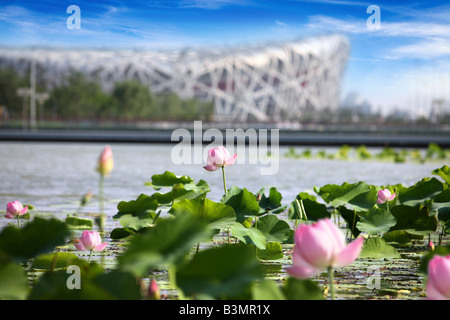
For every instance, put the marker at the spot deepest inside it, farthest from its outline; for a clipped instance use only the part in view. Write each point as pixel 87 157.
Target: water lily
pixel 219 157
pixel 15 209
pixel 438 282
pixel 90 241
pixel 385 195
pixel 321 246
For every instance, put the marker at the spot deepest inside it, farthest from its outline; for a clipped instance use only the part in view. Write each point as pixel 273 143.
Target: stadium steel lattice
pixel 267 82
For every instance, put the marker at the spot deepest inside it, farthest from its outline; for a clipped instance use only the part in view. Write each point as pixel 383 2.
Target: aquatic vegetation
pixel 224 249
pixel 360 153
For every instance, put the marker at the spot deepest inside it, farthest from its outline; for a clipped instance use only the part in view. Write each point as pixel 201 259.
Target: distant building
pixel 439 109
pixel 269 82
pixel 357 104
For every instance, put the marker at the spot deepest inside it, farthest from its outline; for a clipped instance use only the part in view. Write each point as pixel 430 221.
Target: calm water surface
pixel 54 176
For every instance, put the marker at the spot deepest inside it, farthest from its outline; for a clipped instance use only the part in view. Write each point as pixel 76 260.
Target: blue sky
pixel 404 64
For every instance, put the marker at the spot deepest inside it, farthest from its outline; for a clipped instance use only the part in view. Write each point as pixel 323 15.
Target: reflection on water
pixel 54 176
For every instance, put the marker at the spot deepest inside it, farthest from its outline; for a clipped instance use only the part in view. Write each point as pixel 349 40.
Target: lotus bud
pixel 153 291
pixel 105 161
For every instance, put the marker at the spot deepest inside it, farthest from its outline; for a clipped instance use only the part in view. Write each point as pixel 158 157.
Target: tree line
pixel 80 98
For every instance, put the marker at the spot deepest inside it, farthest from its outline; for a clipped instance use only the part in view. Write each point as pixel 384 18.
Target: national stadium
pixel 264 82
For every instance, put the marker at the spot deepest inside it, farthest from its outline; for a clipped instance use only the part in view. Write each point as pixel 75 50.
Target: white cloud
pixel 429 49
pixel 209 4
pixel 430 39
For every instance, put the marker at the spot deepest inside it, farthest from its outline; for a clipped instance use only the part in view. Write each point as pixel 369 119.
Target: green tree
pixel 133 100
pixel 10 81
pixel 79 99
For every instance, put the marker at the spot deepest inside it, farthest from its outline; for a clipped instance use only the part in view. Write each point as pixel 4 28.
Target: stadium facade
pixel 268 82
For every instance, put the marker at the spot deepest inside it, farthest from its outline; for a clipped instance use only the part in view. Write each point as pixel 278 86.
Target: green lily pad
pixel 360 196
pixel 376 221
pixel 377 248
pixel 443 172
pixel 223 272
pixel 426 189
pixel 273 251
pixel 272 202
pixel 139 221
pixel 13 282
pixel 274 229
pixel 352 218
pixel 167 179
pixel 77 223
pixel 166 243
pixel 302 289
pixel 34 238
pixel 216 215
pixel 415 220
pixel 249 235
pixel 399 237
pixel 313 209
pixel 267 290
pixel 142 204
pixel 182 191
pixel 114 285
pixel 121 233
pixel 243 202
pixel 54 260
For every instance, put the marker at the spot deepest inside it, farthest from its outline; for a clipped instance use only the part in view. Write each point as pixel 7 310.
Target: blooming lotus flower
pixel 438 283
pixel 320 246
pixel 14 209
pixel 105 161
pixel 385 195
pixel 219 157
pixel 90 240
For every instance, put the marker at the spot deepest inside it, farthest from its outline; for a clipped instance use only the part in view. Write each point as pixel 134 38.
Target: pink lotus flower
pixel 438 283
pixel 385 195
pixel 320 246
pixel 90 240
pixel 14 209
pixel 105 161
pixel 219 157
pixel 153 291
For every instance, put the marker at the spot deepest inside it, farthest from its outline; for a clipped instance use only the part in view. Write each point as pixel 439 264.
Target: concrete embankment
pixel 284 137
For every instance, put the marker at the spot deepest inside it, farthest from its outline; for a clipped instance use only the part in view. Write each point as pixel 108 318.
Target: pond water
pixel 54 176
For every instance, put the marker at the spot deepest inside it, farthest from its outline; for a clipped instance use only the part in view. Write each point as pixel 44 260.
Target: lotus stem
pixel 331 280
pixel 90 255
pixel 224 181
